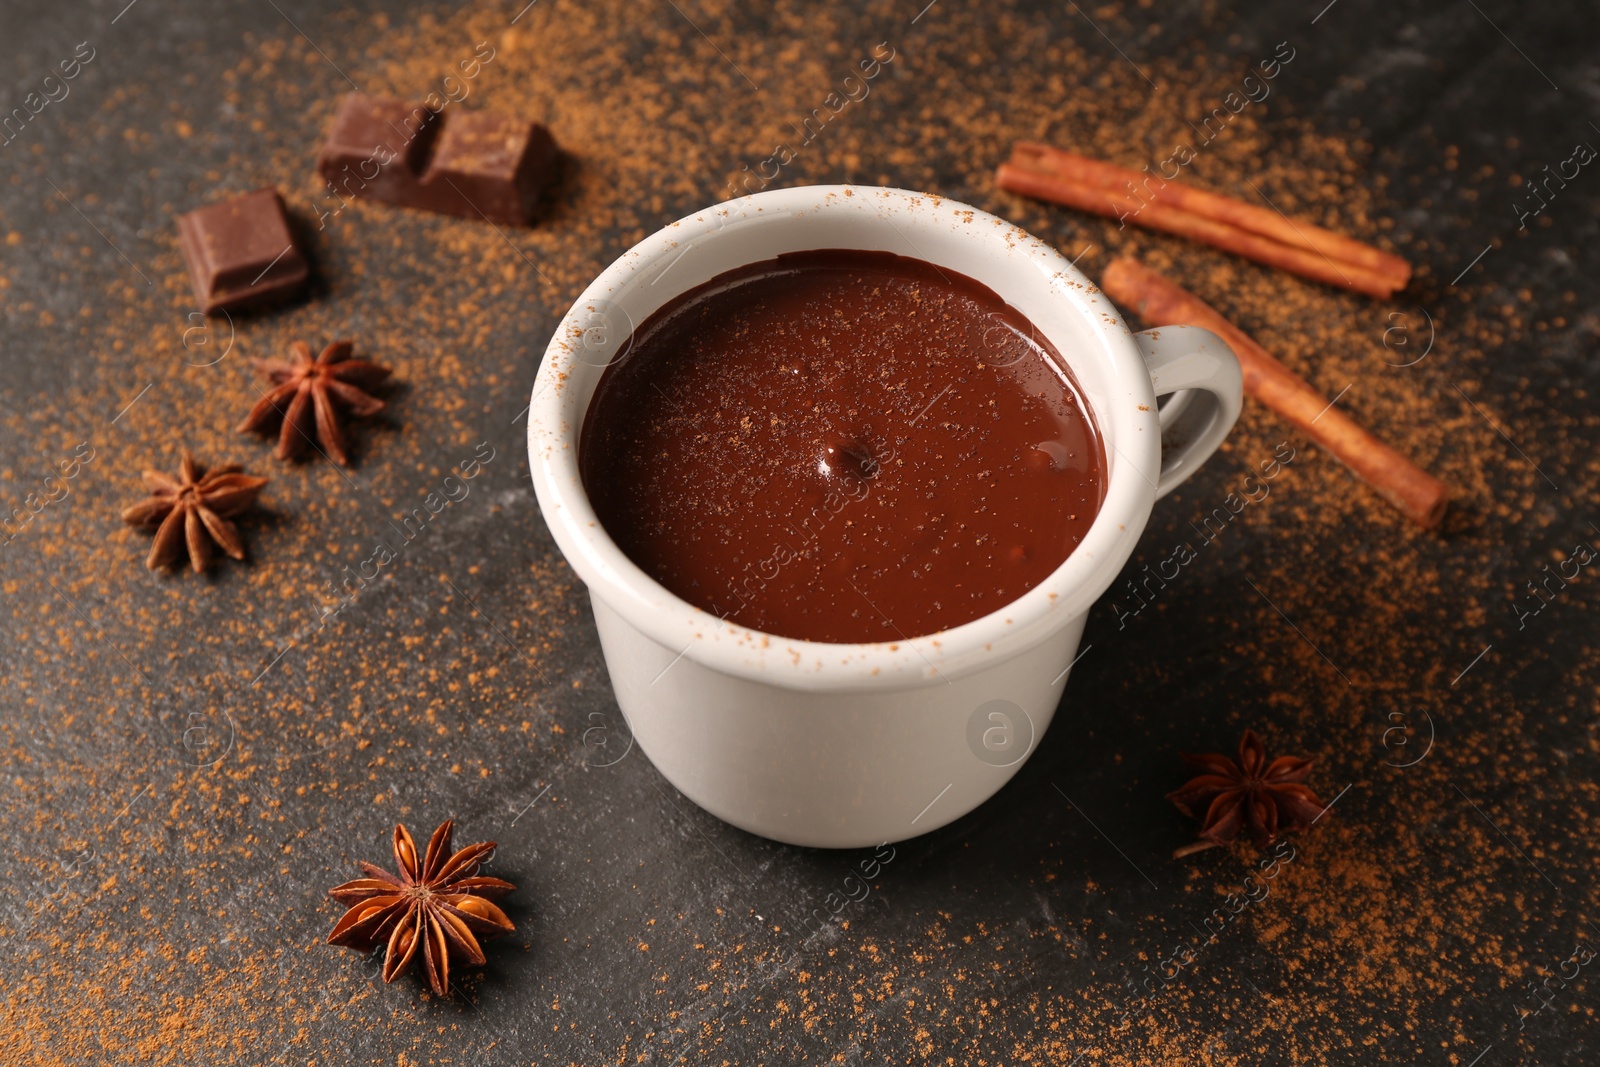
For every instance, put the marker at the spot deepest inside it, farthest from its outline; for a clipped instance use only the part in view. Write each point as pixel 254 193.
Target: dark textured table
pixel 190 762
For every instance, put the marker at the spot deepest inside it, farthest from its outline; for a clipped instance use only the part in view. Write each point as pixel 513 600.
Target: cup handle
pixel 1200 368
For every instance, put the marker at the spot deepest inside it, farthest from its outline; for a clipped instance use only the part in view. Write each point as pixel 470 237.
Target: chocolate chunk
pixel 497 165
pixel 242 252
pixel 359 157
pixel 471 163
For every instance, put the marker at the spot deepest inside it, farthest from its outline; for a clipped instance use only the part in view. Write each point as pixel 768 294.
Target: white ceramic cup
pixel 842 745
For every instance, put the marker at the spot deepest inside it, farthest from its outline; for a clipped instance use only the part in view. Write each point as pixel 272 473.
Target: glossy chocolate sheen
pixel 476 164
pixel 842 446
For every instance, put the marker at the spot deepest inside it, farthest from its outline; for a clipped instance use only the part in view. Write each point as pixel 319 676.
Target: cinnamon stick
pixel 1137 185
pixel 1100 200
pixel 1419 495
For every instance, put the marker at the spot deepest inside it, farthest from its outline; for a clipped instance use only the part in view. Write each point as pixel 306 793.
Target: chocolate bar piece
pixel 471 163
pixel 242 253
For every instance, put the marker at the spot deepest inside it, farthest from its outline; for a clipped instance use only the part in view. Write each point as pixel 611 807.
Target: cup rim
pixel 1126 417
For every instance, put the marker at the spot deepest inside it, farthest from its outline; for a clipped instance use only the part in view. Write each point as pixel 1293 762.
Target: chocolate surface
pixel 477 164
pixel 842 446
pixel 242 253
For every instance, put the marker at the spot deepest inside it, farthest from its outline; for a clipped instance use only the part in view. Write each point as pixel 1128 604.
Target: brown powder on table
pixel 658 124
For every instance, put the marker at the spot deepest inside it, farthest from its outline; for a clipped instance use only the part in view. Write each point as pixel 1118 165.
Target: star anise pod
pixel 437 908
pixel 309 397
pixel 1252 796
pixel 191 513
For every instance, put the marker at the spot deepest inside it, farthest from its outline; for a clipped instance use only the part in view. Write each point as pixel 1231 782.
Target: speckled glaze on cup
pixel 843 745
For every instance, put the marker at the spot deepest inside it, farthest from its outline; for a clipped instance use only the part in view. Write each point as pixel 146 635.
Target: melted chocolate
pixel 842 446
